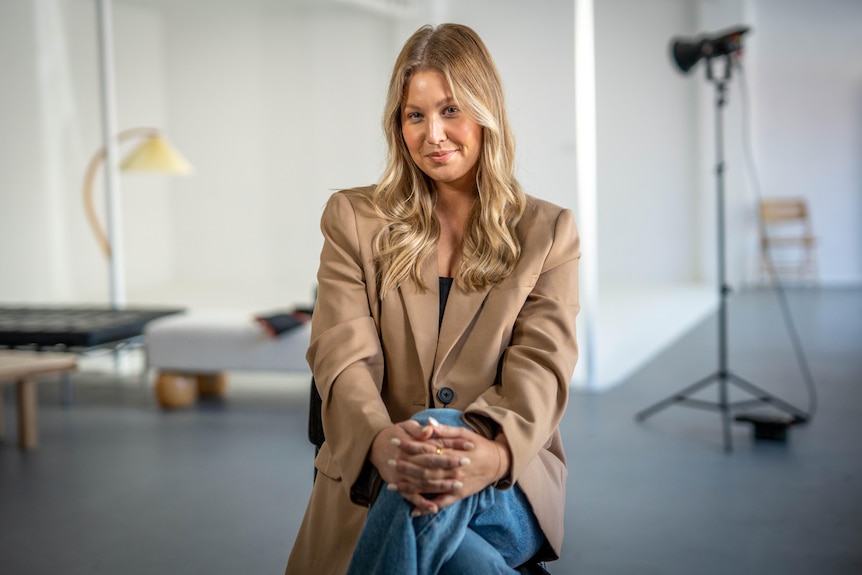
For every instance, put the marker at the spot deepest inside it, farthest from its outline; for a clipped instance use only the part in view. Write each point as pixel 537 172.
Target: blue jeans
pixel 493 531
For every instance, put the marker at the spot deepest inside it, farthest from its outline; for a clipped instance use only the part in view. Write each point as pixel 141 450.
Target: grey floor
pixel 119 487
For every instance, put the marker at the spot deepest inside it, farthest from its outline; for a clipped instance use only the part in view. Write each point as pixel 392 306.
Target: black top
pixel 445 286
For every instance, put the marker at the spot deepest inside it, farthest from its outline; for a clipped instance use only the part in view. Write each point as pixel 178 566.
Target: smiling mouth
pixel 440 156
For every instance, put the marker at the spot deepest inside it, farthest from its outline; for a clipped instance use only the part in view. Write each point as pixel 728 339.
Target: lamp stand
pixel 723 377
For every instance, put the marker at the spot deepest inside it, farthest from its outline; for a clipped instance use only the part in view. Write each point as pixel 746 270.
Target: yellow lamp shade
pixel 156 154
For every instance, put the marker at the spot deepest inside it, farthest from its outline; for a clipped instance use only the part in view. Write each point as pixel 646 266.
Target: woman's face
pixel 443 141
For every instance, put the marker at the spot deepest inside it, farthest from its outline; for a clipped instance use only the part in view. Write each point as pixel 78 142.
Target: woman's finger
pixel 421 505
pixel 426 465
pixel 426 487
pixel 461 443
pixel 449 431
pixel 427 447
pixel 446 499
pixel 446 459
pixel 416 430
pixel 414 480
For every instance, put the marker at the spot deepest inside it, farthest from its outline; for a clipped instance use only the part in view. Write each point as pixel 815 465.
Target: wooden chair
pixel 787 242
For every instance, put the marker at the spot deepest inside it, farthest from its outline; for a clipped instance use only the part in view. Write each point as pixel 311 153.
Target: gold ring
pixel 439 450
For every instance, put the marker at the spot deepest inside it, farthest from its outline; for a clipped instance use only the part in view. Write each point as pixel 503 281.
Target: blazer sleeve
pixel 536 369
pixel 345 354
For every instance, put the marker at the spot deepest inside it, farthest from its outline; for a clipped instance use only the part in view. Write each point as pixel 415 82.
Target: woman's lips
pixel 440 157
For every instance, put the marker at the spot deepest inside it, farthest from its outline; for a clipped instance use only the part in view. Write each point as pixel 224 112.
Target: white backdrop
pixel 278 103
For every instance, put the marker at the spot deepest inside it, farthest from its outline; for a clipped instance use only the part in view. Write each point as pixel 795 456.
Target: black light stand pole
pixel 723 288
pixel 723 375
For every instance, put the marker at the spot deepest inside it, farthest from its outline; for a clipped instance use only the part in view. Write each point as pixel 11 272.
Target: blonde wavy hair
pixel 404 197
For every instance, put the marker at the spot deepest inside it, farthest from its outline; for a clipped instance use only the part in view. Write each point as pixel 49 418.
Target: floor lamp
pixel 686 54
pixel 155 154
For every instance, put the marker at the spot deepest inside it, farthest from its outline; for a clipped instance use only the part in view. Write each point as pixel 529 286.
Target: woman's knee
pixel 445 416
pixel 476 555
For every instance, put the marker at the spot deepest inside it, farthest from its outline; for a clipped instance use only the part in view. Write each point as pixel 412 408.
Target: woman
pixel 443 340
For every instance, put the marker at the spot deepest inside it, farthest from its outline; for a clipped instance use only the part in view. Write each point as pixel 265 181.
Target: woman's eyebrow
pixel 442 102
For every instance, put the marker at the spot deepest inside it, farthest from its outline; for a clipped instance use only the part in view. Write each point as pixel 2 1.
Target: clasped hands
pixel 436 465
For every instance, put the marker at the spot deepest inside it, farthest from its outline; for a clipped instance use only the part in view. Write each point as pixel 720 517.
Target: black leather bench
pixel 75 328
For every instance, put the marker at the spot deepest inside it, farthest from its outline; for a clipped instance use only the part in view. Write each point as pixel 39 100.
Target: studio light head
pixel 688 51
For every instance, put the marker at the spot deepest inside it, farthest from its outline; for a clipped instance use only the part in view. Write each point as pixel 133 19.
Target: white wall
pixel 647 145
pixel 532 45
pixel 277 103
pixel 805 95
pixel 273 120
pixel 49 108
pixel 21 188
pixel 806 77
pixel 261 103
pixel 649 289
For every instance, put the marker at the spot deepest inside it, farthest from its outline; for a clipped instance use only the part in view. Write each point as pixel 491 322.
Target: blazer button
pixel 445 395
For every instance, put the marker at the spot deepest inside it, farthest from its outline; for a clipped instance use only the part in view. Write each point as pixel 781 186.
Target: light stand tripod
pixel 723 376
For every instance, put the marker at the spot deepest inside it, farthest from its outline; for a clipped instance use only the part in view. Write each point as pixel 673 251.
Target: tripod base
pixel 725 407
pixel 769 427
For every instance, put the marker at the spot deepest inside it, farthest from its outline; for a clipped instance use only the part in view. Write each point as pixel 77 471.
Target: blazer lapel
pixel 423 311
pixel 461 309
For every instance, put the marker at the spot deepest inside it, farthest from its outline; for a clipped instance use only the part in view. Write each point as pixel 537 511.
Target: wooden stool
pixel 24 367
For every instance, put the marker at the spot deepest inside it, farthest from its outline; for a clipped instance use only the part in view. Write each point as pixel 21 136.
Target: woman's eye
pixel 414 116
pixel 451 110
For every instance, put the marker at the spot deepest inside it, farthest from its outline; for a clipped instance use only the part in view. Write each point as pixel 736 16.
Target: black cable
pixel 780 293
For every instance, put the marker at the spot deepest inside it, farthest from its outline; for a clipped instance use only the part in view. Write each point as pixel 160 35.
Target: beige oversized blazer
pixel 508 352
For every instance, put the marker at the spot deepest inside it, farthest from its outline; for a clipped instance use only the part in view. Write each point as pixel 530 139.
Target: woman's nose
pixel 435 133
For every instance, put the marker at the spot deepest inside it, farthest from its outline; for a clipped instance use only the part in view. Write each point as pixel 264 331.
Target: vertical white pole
pixel 585 138
pixel 113 205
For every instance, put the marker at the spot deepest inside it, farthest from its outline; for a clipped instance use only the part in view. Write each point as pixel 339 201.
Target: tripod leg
pixel 725 424
pixel 675 398
pixel 767 397
pixel 724 408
